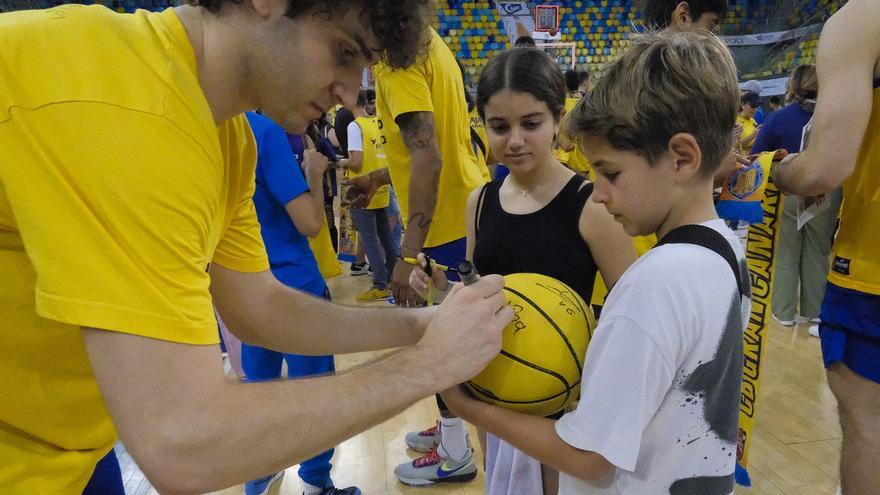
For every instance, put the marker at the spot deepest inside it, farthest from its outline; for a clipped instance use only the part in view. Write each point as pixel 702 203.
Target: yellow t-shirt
pixel 482 153
pixel 856 264
pixel 574 159
pixel 749 126
pixel 373 158
pixel 433 84
pixel 117 189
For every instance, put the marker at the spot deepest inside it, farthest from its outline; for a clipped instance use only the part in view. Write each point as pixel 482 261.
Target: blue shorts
pixel 850 330
pixel 449 254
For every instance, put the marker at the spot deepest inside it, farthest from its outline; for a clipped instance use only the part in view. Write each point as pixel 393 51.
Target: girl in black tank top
pixel 547 241
pixel 539 218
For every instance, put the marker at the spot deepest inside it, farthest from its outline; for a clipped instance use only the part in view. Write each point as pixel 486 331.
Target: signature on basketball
pixel 518 324
pixel 566 299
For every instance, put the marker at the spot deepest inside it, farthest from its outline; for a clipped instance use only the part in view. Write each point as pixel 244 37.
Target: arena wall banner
pixel 770 38
pixel 761 258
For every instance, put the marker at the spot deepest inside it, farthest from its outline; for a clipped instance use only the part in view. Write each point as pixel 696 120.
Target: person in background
pixel 290 208
pixel 366 153
pixel 755 87
pixel 803 260
pixel 526 41
pixel 584 85
pixel 844 149
pixel 660 14
pixel 775 103
pixel 433 168
pixel 749 104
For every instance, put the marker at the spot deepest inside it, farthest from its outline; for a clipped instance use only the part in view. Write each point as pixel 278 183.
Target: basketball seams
pixel 567 387
pixel 552 324
pixel 577 300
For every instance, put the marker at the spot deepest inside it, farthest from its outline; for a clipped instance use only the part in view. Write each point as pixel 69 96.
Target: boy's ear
pixel 687 154
pixel 681 15
pixel 263 8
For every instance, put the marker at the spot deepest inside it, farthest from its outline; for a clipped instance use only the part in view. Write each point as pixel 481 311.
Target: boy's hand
pixel 315 163
pixel 465 333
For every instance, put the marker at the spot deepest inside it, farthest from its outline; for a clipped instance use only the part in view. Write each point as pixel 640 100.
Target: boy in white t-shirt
pixel 661 383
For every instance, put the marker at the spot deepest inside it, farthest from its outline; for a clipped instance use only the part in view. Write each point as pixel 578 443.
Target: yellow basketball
pixel 539 368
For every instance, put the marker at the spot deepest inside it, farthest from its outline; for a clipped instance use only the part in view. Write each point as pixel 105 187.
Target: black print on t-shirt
pixel 718 383
pixel 704 485
pixel 746 278
pixel 719 380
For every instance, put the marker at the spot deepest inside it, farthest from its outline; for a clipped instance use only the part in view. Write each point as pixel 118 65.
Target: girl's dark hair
pixel 526 70
pixel 401 26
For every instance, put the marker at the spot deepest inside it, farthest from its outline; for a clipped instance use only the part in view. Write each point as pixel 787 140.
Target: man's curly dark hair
pixel 401 26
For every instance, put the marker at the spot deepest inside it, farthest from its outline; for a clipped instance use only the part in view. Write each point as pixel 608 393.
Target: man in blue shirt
pixel 290 207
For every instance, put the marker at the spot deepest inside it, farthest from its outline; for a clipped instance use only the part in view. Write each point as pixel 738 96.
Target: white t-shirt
pixel 661 382
pixel 355 137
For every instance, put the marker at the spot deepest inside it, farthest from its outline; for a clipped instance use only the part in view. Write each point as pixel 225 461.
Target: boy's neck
pixel 693 209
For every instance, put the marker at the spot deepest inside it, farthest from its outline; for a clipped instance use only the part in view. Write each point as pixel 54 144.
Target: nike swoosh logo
pixel 444 471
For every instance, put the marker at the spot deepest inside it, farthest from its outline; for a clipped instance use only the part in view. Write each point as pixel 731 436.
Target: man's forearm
pixel 307 417
pixel 261 311
pixel 418 133
pixel 423 186
pixel 380 177
pixel 316 195
pixel 800 176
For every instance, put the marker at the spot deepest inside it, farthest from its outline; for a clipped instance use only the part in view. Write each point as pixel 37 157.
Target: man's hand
pixel 404 294
pixel 360 190
pixel 465 334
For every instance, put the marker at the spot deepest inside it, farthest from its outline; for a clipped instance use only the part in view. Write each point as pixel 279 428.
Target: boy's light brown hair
pixel 669 82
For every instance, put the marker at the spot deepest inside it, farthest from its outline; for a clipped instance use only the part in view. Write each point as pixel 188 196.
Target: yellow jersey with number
pixel 433 84
pixel 856 264
pixel 373 158
pixel 117 189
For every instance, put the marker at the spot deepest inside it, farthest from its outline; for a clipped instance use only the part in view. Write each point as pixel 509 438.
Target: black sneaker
pixel 358 269
pixel 352 490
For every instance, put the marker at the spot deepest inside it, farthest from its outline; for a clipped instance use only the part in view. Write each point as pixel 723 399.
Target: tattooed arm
pixel 417 130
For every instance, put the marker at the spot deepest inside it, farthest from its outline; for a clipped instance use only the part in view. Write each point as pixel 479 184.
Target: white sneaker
pixel 814 330
pixel 785 323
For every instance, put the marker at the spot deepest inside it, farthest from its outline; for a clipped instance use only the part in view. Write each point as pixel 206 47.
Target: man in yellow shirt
pixel 433 167
pixel 844 148
pixel 126 176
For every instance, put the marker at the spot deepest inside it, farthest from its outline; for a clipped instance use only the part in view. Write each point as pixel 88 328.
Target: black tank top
pixel 547 241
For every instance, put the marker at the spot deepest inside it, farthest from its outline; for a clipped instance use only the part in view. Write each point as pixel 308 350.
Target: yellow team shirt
pixel 574 159
pixel 373 158
pixel 433 84
pixel 749 126
pixel 117 189
pixel 479 129
pixel 856 264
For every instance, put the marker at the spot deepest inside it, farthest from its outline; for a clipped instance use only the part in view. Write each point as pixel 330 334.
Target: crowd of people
pixel 134 216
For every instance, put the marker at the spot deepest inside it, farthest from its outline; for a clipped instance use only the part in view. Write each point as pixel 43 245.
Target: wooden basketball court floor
pixel 795 451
